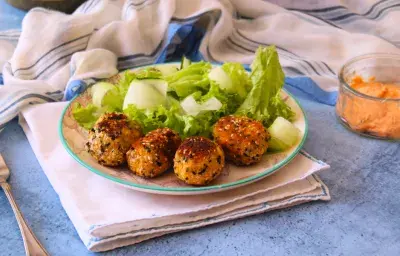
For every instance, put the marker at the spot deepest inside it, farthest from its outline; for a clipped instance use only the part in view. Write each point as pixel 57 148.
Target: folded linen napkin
pixel 313 38
pixel 107 215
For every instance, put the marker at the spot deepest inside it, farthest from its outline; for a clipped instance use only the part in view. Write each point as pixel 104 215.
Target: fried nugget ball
pixel 198 161
pixel 173 139
pixel 153 154
pixel 244 140
pixel 111 137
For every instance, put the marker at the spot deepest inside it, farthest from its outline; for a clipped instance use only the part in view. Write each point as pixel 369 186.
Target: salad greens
pixel 190 79
pixel 85 116
pixel 191 99
pixel 232 77
pixel 263 101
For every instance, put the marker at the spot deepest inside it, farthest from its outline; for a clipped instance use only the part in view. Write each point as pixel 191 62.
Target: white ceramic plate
pixel 74 138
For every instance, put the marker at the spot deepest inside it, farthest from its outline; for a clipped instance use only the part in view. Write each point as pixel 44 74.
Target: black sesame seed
pixel 203 170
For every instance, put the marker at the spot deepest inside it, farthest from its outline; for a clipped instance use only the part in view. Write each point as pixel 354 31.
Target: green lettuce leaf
pixel 263 101
pixel 173 117
pixel 157 117
pixel 241 82
pixel 230 101
pixel 85 116
pixel 190 79
pixel 200 125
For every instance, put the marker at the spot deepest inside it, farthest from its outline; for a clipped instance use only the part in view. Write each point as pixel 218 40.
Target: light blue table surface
pixel 10 17
pixel 363 217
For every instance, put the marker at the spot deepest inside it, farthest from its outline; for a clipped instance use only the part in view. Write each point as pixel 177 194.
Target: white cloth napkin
pixel 314 38
pixel 107 215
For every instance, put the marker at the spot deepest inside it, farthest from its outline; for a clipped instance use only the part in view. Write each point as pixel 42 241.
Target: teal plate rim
pixel 189 189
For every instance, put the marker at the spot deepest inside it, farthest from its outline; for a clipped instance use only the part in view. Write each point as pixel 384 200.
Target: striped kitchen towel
pixel 57 52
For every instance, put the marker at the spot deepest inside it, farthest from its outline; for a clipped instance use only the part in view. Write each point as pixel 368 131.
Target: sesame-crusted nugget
pixel 111 137
pixel 198 161
pixel 244 140
pixel 153 154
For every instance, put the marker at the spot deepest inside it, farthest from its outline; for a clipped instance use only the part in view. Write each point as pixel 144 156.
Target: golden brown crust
pixel 111 137
pixel 195 148
pixel 198 161
pixel 168 136
pixel 147 159
pixel 152 155
pixel 244 140
pixel 111 124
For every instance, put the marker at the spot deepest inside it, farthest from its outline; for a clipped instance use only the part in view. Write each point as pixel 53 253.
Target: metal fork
pixel 31 244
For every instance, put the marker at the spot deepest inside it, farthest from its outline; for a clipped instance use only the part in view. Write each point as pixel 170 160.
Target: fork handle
pixel 31 244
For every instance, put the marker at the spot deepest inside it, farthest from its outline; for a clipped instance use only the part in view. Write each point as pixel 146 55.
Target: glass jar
pixel 367 115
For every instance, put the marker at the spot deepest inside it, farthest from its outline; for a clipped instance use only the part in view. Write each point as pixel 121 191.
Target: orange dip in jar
pixel 373 109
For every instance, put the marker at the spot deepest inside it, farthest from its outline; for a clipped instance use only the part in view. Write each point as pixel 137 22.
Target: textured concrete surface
pixel 363 217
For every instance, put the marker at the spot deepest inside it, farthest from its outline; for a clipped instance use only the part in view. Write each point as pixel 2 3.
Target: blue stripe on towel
pixel 305 87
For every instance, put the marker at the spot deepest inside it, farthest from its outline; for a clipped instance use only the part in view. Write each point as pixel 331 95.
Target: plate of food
pixel 186 128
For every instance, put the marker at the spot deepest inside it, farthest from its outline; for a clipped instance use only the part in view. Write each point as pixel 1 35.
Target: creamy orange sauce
pixel 379 118
pixel 376 89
